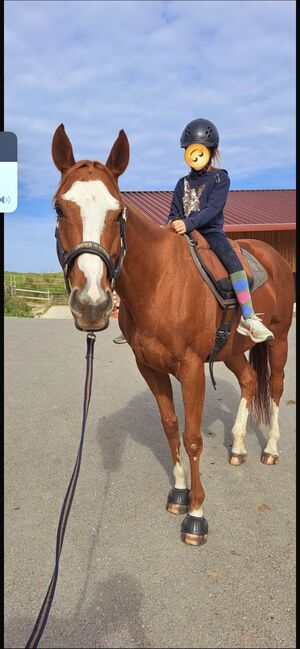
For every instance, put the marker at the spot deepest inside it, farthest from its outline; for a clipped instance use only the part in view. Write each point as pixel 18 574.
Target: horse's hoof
pixel 178 501
pixel 268 458
pixel 237 458
pixel 194 530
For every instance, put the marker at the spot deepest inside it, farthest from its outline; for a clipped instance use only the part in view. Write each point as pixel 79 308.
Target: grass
pixel 17 308
pixel 52 282
pixel 27 308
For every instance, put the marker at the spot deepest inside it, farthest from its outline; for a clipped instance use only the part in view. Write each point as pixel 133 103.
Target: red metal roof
pixel 245 210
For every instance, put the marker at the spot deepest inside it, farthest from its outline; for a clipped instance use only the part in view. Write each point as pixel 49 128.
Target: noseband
pixel 67 258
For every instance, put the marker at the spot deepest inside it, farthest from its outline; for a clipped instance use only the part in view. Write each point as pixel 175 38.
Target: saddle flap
pixel 212 263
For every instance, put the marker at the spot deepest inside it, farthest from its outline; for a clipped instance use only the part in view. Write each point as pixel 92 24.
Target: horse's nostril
pixel 109 302
pixel 75 304
pixel 86 309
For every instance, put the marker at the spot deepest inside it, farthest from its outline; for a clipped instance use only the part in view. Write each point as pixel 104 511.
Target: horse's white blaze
pixel 239 428
pixel 179 475
pixel 273 434
pixel 94 200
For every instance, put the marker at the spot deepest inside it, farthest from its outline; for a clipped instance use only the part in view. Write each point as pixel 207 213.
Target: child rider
pixel 198 203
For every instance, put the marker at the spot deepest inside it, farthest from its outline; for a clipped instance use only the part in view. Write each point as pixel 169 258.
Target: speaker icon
pixel 5 199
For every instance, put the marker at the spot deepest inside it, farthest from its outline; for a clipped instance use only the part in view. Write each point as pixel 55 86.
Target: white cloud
pixel 149 67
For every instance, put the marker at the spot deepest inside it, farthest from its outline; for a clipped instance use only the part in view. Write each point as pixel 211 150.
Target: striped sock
pixel 241 288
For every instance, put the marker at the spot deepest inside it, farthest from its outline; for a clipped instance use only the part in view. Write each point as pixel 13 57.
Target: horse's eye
pixel 59 211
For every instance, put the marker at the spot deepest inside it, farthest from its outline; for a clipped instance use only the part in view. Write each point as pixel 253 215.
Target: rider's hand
pixel 179 226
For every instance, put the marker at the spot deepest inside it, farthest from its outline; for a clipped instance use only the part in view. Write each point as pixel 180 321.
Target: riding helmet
pixel 200 131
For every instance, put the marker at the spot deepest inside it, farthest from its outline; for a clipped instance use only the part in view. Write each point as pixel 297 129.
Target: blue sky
pixel 148 67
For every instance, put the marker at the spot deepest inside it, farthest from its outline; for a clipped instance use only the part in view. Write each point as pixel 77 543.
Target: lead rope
pixel 64 514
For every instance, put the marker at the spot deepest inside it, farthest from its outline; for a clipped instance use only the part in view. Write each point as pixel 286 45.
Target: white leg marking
pixel 180 483
pixel 239 429
pixel 273 434
pixel 94 200
pixel 179 475
pixel 196 512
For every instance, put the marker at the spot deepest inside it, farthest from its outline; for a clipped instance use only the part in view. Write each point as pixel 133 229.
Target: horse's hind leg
pixel 160 384
pixel 246 377
pixel 277 357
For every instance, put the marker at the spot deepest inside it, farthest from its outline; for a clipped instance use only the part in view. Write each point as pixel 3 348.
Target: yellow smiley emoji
pixel 197 156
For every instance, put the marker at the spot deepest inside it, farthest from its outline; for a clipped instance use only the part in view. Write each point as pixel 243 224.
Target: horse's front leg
pixel 192 378
pixel 160 384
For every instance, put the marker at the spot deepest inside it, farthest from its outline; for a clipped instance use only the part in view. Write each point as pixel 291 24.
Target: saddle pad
pixel 216 275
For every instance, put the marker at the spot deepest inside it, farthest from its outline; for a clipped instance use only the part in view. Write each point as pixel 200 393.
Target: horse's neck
pixel 145 258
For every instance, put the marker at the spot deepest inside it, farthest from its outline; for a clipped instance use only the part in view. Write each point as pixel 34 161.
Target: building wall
pixel 284 241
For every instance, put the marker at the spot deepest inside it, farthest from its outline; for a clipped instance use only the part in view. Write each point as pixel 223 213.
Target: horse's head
pixel 89 211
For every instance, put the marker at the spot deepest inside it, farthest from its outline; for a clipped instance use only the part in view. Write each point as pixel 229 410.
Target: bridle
pixel 66 259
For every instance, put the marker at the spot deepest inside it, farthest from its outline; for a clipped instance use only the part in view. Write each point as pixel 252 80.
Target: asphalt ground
pixel 126 579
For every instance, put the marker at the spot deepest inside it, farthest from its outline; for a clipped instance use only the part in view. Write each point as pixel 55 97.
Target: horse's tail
pixel 260 408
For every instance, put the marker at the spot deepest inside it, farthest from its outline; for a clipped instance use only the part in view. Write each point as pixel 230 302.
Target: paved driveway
pixel 126 579
pixel 58 313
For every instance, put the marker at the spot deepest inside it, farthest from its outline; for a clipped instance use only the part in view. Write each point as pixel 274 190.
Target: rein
pixel 67 258
pixel 65 510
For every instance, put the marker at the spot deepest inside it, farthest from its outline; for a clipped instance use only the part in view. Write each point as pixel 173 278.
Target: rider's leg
pixel 250 324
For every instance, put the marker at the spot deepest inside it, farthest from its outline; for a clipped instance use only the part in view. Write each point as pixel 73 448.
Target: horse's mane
pixel 150 226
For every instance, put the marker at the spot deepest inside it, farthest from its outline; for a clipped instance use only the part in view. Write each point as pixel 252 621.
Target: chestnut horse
pixel 158 270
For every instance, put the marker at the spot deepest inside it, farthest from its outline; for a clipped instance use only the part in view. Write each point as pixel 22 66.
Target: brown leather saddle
pixel 216 275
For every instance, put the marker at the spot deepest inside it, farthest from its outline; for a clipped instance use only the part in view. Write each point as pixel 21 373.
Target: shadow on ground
pixel 129 422
pixel 111 619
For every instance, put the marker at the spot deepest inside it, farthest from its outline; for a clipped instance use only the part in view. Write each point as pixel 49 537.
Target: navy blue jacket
pixel 210 216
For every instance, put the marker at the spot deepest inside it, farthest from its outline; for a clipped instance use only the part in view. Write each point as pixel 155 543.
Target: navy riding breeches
pixel 219 243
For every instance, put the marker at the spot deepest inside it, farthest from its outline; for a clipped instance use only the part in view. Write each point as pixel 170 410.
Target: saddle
pixel 217 278
pixel 216 275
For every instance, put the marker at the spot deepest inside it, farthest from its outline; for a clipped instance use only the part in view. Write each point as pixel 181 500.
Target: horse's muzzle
pixel 88 315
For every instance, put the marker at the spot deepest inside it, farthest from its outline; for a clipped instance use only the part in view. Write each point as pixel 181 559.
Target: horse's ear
pixel 118 158
pixel 62 152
